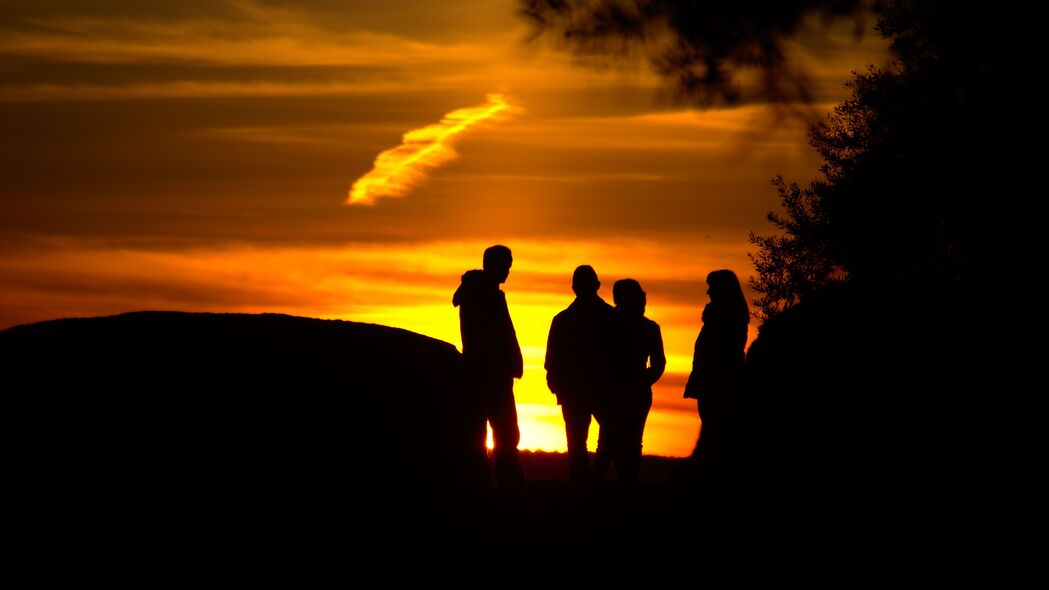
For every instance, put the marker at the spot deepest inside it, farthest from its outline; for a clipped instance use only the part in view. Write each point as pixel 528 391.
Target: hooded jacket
pixel 490 344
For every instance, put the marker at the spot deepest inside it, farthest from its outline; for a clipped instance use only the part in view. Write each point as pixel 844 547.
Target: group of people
pixel 601 363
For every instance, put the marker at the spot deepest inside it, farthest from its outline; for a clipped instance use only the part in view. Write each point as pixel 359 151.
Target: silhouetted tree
pixel 859 402
pixel 916 163
pixel 702 46
pixel 794 263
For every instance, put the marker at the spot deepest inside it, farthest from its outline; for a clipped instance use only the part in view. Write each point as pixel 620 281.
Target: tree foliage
pixel 702 46
pixel 794 263
pixel 917 162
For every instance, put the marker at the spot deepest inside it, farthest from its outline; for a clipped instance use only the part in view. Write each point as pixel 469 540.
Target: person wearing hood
pixel 492 357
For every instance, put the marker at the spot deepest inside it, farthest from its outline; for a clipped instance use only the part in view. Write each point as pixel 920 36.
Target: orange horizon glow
pixel 398 169
pixel 406 286
pixel 197 158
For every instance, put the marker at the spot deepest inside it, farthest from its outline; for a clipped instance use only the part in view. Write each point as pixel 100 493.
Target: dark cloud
pixel 17 12
pixel 424 19
pixel 136 150
pixel 28 71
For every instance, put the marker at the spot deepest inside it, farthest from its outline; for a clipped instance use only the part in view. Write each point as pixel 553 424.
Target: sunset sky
pixel 200 156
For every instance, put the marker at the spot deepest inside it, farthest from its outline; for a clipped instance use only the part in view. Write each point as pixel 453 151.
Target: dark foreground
pixel 170 448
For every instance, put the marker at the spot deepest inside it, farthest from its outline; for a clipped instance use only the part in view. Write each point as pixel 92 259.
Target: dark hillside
pixel 182 437
pixel 269 448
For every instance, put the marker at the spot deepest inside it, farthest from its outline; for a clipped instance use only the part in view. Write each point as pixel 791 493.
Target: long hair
pixel 726 296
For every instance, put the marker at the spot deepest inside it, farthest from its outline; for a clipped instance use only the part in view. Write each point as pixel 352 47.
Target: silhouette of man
pixel 492 357
pixel 578 366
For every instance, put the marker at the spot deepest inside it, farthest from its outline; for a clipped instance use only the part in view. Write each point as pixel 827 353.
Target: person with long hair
pixel 640 362
pixel 717 365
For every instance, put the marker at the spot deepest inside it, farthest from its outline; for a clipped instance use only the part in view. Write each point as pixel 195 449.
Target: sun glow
pixel 374 284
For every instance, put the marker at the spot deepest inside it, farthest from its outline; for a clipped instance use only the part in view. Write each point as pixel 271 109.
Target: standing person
pixel 492 357
pixel 717 365
pixel 578 366
pixel 641 362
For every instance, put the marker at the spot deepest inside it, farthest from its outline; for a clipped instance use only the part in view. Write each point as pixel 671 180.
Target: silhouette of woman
pixel 641 361
pixel 717 365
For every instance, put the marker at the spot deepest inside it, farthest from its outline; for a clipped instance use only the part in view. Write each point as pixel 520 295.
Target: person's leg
pixel 716 425
pixel 603 456
pixel 577 426
pixel 697 452
pixel 506 435
pixel 643 410
pixel 628 465
pixel 476 466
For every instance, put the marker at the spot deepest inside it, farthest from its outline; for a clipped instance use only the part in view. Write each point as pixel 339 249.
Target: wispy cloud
pixel 398 169
pixel 263 36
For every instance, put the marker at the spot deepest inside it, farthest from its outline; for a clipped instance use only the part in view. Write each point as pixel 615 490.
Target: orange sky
pixel 197 156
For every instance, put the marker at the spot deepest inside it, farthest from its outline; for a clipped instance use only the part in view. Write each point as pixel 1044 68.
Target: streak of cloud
pixel 398 169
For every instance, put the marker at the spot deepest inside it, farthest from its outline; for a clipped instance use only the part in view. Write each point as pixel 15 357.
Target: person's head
pixel 724 290
pixel 497 262
pixel 723 285
pixel 629 297
pixel 584 281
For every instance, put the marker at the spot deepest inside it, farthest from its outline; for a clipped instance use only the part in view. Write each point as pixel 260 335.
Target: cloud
pixel 247 43
pixel 398 169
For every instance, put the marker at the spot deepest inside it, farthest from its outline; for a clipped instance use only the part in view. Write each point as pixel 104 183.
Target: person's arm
pixel 657 359
pixel 553 357
pixel 741 338
pixel 692 386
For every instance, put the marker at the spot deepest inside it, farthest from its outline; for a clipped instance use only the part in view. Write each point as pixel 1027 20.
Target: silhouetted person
pixel 578 365
pixel 717 365
pixel 640 362
pixel 492 357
